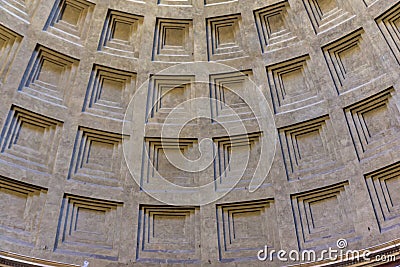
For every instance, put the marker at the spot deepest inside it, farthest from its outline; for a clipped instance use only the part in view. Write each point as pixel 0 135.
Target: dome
pixel 196 133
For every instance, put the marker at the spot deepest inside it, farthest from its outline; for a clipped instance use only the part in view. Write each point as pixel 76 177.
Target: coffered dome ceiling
pixel 198 132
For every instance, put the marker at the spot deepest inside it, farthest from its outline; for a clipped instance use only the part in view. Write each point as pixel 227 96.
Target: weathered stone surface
pixel 70 191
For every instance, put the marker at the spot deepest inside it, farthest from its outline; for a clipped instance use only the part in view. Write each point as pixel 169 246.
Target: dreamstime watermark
pixel 331 254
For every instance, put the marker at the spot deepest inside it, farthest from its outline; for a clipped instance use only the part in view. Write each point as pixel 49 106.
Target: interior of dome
pixel 199 133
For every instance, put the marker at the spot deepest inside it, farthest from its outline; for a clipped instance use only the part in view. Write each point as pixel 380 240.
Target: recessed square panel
pixel 374 124
pixel 230 96
pixel 308 150
pixel 292 85
pixel 121 34
pixel 244 228
pixel 89 227
pixel 377 120
pixel 158 168
pixel 383 187
pixel 169 97
pixel 174 37
pixel 90 219
pixel 389 23
pixel 122 31
pixel 326 14
pixel 173 40
pixel 20 224
pixel 323 215
pixel 30 140
pixel 224 37
pixel 310 144
pixel 49 76
pixel 236 160
pixel 322 212
pixel 112 90
pixel 174 223
pixel 168 234
pixel 274 27
pixel 22 9
pixel 97 158
pixel 50 73
pixel 351 61
pixel 71 14
pixel 70 20
pixel 9 44
pixel 30 136
pixel 109 92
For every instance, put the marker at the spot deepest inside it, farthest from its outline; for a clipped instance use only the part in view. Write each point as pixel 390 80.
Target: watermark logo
pixel 331 254
pixel 341 243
